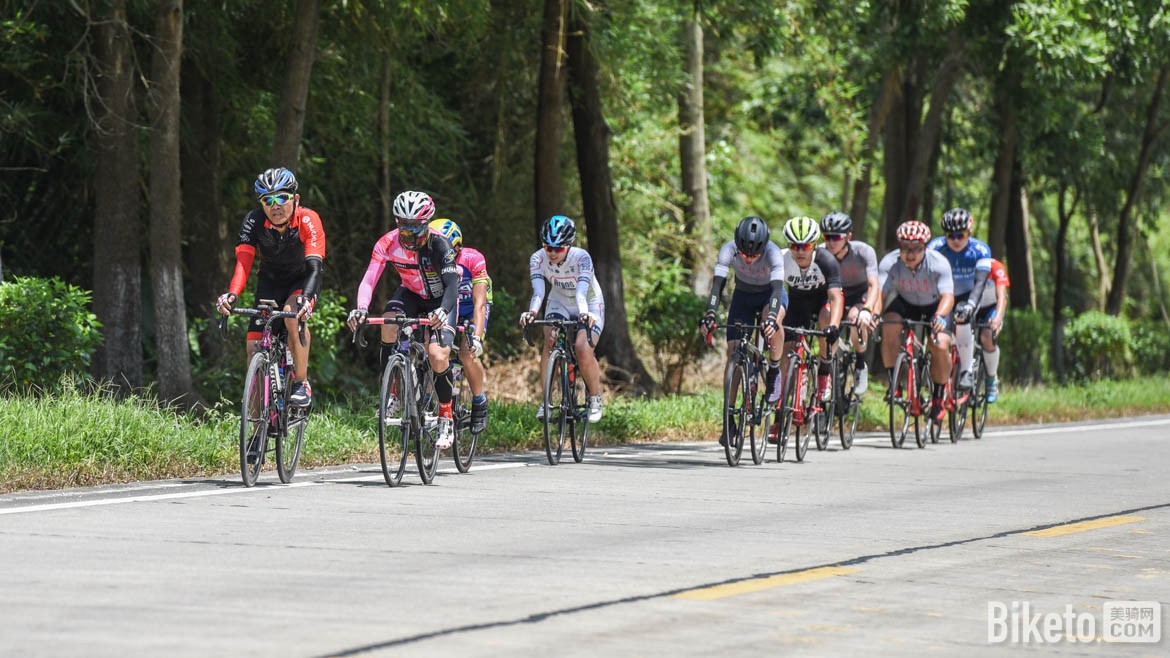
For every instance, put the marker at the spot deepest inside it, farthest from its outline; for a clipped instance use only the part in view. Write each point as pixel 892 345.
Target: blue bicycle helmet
pixel 558 231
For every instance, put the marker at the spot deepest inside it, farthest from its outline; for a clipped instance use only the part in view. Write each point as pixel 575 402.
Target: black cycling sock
pixel 824 366
pixel 443 385
pixel 938 391
pixel 859 361
pixel 384 356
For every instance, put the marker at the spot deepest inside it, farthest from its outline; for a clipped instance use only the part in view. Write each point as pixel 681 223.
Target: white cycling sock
pixel 991 359
pixel 965 341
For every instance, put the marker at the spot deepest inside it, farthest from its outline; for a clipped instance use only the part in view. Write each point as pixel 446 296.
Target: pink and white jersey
pixel 421 271
pixel 572 282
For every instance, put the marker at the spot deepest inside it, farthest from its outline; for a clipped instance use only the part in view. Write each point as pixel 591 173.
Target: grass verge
pixel 79 437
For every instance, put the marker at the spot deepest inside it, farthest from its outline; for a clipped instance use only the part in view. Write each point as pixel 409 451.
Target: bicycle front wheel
pixel 554 408
pixel 848 403
pixel 394 420
pixel 806 392
pixel 789 400
pixel 979 402
pixel 254 412
pixel 899 401
pixel 736 403
pixel 925 399
pixel 766 415
pixel 291 436
pixel 579 420
pixel 824 424
pixel 465 440
pixel 426 433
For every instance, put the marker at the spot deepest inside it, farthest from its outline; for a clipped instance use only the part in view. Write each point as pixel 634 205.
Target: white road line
pixel 146 499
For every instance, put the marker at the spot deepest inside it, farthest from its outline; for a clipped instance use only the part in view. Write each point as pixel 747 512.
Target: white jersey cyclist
pixel 921 287
pixel 572 288
pixel 756 276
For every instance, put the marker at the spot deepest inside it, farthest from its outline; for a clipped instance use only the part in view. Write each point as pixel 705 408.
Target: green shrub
pixel 504 339
pixel 668 318
pixel 1098 346
pixel 1151 348
pixel 48 330
pixel 1023 344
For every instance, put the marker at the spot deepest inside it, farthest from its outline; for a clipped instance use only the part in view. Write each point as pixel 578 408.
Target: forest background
pixel 131 131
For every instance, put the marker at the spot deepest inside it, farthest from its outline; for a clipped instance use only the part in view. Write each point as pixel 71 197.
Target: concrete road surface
pixel 650 550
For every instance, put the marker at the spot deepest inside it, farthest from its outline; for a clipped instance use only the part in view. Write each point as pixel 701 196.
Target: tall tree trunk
pixel 1125 232
pixel 290 117
pixel 204 225
pixel 117 266
pixel 591 134
pixel 170 311
pixel 1022 294
pixel 1001 175
pixel 926 138
pixel 878 115
pixel 901 132
pixel 548 189
pixel 1060 278
pixel 692 148
pixel 1103 281
pixel 385 195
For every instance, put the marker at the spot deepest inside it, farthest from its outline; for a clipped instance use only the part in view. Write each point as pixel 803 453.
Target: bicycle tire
pixel 899 405
pixel 924 395
pixel 426 433
pixel 290 437
pixel 554 408
pixel 463 450
pixel 254 428
pixel 759 435
pixel 824 426
pixel 957 418
pixel 579 421
pixel 849 403
pixel 979 403
pixel 395 429
pixel 806 391
pixel 735 387
pixel 784 416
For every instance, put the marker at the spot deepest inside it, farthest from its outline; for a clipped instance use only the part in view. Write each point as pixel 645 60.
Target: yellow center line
pixel 758 584
pixel 1070 528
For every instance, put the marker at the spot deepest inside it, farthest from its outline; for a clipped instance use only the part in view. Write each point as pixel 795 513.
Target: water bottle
pixel 572 373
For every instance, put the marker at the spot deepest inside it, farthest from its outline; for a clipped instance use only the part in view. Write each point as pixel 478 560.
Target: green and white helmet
pixel 802 230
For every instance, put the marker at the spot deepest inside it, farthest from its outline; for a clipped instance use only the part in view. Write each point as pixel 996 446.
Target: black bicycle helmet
pixel 836 222
pixel 751 235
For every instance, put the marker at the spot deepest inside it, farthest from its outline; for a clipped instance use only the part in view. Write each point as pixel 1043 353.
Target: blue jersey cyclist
pixel 759 296
pixel 970 261
pixel 573 292
pixel 915 283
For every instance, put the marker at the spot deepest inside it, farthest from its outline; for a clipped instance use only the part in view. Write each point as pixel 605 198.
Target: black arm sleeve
pixel 451 294
pixel 717 284
pixel 777 298
pixel 313 279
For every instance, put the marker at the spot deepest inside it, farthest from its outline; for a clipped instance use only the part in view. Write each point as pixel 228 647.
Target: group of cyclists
pixel 441 279
pixel 949 282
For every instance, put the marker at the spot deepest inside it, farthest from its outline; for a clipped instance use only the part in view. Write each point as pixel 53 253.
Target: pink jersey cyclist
pixel 430 277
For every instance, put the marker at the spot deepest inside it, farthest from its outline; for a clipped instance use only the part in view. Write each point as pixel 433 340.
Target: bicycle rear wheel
pixel 291 436
pixel 554 408
pixel 847 404
pixel 957 418
pixel 426 433
pixel 899 401
pixel 254 412
pixel 789 401
pixel 579 420
pixel 736 405
pixel 979 402
pixel 465 441
pixel 925 400
pixel 394 420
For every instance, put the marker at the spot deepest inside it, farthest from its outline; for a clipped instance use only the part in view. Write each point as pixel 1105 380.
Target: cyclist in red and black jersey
pixel 291 242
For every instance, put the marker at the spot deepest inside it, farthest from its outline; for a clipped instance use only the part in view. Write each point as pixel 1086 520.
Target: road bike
pixel 408 409
pixel 909 393
pixel 953 401
pixel 847 401
pixel 744 407
pixel 265 412
pixel 565 401
pixel 978 402
pixel 800 405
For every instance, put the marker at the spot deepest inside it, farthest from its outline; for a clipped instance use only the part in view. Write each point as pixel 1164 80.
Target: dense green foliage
pixel 1100 346
pixel 48 330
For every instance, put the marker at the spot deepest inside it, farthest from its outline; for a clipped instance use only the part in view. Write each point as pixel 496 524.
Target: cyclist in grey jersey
pixel 814 290
pixel 573 292
pixel 857 262
pixel 759 291
pixel 915 283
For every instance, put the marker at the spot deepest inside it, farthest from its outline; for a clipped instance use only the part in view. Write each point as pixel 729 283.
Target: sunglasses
pixel 555 250
pixel 801 247
pixel 748 256
pixel 833 237
pixel 912 249
pixel 957 236
pixel 278 199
